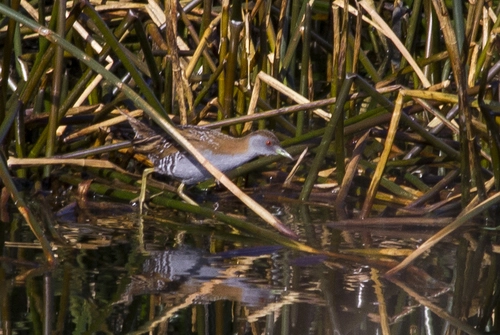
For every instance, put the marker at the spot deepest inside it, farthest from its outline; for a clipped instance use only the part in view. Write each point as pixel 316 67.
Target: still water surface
pixel 173 273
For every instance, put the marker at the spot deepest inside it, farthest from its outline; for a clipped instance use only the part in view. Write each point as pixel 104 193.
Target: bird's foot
pixel 142 196
pixel 180 192
pixel 141 203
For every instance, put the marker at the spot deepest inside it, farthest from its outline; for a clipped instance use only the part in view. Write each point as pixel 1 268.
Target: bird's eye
pixel 268 143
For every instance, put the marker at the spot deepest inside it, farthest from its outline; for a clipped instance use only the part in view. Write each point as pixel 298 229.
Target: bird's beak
pixel 283 152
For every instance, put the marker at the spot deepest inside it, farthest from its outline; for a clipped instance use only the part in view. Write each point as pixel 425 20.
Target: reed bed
pixel 396 104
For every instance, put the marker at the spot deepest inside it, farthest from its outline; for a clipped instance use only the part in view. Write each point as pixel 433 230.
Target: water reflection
pixel 201 279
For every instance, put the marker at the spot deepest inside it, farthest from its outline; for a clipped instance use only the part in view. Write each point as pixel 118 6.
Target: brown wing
pixel 155 146
pixel 149 142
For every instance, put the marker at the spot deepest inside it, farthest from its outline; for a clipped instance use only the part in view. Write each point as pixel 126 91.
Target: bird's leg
pixel 180 192
pixel 142 196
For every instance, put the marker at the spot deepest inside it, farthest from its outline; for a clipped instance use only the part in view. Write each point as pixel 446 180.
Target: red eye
pixel 268 143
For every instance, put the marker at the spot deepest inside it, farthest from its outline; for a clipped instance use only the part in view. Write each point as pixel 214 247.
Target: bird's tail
pixel 146 140
pixel 142 131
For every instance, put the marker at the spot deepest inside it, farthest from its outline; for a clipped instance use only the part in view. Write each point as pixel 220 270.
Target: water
pixel 175 273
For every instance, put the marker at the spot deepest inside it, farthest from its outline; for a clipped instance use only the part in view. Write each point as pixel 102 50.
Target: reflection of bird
pixel 223 151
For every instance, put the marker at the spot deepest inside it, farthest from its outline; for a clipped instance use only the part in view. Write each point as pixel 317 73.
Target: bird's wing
pixel 149 142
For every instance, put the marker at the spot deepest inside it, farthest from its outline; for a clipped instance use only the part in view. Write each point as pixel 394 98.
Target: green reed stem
pixel 57 78
pixel 325 141
pixel 79 87
pixel 458 20
pixel 365 61
pixel 8 52
pixel 205 23
pixel 148 53
pixel 365 86
pixel 128 60
pixel 304 70
pixel 390 185
pixel 223 51
pixel 209 84
pixel 235 26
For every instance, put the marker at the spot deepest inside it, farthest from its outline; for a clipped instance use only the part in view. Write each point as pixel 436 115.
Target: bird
pixel 223 151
